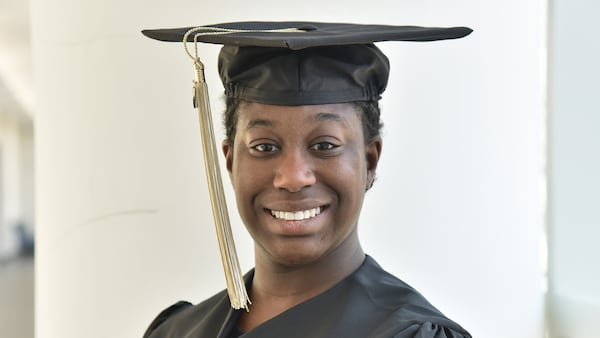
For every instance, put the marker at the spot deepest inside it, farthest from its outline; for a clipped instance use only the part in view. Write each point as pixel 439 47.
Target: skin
pixel 295 158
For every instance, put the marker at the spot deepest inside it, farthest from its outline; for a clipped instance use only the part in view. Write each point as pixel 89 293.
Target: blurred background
pixel 487 196
pixel 17 214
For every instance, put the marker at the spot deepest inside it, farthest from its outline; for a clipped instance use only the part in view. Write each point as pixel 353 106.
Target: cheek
pixel 249 178
pixel 348 178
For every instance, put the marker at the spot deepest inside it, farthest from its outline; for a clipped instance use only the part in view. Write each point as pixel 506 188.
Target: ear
pixel 372 153
pixel 227 148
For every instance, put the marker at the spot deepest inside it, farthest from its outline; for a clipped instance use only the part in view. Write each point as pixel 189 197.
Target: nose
pixel 294 171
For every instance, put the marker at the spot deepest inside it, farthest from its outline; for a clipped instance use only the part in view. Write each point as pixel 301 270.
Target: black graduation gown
pixel 368 303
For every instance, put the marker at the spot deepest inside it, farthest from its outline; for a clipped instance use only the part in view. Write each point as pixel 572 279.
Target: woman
pixel 302 147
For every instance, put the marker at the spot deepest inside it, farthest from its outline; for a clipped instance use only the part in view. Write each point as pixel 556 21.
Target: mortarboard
pixel 287 63
pixel 298 63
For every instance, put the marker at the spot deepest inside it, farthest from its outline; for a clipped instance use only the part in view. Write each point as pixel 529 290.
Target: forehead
pixel 251 114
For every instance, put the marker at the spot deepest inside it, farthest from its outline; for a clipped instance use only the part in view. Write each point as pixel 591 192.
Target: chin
pixel 293 256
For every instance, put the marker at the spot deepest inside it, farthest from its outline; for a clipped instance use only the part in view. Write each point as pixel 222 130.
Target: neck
pixel 277 287
pixel 308 280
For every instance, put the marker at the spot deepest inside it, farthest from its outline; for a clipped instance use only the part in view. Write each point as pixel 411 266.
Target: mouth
pixel 296 215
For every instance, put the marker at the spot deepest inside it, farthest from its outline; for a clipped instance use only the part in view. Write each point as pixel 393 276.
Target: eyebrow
pixel 259 123
pixel 321 117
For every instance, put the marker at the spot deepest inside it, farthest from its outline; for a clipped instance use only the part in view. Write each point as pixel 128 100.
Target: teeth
pixel 296 215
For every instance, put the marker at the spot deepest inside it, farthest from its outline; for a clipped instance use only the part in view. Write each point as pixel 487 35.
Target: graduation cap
pixel 287 63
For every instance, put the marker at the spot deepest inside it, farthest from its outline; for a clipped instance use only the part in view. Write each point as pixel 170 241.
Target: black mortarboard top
pixel 287 63
pixel 297 63
pixel 269 34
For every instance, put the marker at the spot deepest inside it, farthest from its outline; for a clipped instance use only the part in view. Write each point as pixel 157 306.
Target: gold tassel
pixel 233 274
pixel 236 288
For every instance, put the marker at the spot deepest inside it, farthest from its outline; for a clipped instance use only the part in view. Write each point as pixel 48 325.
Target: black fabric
pixel 312 34
pixel 368 303
pixel 319 64
pixel 316 75
pixel 235 332
pixel 166 313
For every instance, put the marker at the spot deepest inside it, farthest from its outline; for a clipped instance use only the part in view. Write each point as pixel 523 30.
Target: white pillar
pixel 124 225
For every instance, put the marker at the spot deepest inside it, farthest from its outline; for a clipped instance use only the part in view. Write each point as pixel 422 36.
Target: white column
pixel 124 226
pixel 574 223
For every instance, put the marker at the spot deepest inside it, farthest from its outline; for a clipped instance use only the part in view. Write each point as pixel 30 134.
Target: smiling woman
pixel 302 149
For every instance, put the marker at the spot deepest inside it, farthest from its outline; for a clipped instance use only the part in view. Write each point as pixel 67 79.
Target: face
pixel 300 174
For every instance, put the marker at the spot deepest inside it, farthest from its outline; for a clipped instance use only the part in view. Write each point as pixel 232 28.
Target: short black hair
pixel 369 112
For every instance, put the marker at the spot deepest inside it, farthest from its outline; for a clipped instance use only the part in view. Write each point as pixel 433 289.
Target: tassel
pixel 236 288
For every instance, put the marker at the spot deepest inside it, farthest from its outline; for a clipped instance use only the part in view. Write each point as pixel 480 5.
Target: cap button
pixel 307 27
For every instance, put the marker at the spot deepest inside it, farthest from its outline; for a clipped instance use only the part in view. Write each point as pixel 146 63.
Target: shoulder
pixel 435 330
pixel 404 312
pixel 183 318
pixel 397 326
pixel 166 314
pixel 386 291
pixel 421 330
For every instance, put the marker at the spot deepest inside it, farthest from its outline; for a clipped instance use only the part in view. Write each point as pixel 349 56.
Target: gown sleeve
pixel 164 315
pixel 432 330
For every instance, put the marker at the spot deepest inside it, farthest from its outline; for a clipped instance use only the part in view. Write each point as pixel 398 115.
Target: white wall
pixel 124 227
pixel 574 222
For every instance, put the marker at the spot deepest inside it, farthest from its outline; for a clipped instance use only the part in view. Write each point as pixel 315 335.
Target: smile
pixel 296 215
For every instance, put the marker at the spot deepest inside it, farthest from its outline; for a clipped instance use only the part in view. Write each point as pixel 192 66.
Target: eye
pixel 322 146
pixel 265 148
